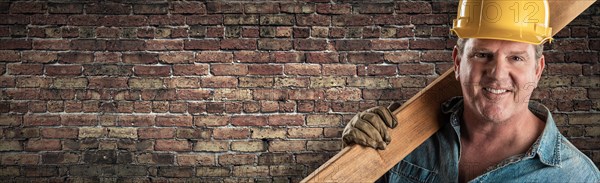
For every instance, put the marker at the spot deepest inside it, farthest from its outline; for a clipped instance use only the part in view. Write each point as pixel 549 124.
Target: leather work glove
pixel 369 128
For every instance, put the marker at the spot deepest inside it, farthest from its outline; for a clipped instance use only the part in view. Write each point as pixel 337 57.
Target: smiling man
pixel 493 133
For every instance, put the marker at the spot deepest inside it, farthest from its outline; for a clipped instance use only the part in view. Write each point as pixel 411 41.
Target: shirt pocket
pixel 408 172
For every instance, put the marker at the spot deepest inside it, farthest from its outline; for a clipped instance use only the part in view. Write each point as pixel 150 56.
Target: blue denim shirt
pixel 552 158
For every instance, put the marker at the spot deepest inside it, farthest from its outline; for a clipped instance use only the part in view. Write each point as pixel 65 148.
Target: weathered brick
pixel 179 121
pixel 365 57
pixel 289 120
pixel 70 83
pixel 287 145
pixel 180 171
pixel 10 145
pixel 351 20
pixel 219 82
pixel 248 146
pixel 11 120
pixel 274 44
pixel 57 133
pixel 211 146
pixel 195 159
pixel 173 145
pixel 286 170
pixel 20 159
pixel 211 120
pixel 212 171
pixel 237 159
pixel 231 133
pixel 42 145
pixel 239 44
pixel 268 133
pixel 323 145
pixel 369 82
pixel 302 69
pixel 250 171
pixel 120 132
pixel 262 69
pixel 229 69
pixel 197 133
pixel 190 69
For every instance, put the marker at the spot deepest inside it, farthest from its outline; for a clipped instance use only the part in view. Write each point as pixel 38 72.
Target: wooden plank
pixel 418 119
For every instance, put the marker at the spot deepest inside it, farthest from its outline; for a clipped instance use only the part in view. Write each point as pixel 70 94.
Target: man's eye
pixel 517 58
pixel 480 55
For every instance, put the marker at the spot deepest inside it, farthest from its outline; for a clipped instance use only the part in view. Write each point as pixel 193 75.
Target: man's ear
pixel 456 60
pixel 540 68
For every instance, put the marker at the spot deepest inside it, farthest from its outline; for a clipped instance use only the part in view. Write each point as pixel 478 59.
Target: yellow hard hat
pixel 521 21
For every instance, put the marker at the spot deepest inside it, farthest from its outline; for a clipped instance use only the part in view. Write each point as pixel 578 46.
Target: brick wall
pixel 233 91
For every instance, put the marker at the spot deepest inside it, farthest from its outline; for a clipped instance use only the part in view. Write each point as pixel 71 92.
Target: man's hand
pixel 369 128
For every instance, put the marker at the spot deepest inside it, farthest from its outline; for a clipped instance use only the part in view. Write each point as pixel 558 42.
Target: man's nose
pixel 498 68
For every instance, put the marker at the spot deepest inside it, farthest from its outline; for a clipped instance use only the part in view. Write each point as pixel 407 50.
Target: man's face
pixel 497 78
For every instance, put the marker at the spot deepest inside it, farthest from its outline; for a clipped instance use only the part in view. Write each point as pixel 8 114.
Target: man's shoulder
pixel 574 162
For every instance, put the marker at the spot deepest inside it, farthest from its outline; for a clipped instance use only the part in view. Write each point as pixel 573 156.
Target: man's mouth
pixel 496 91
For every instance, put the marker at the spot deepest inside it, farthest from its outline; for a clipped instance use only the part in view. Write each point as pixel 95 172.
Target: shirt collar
pixel 547 146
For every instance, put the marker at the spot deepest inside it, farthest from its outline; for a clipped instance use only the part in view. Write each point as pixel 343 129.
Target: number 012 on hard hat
pixel 521 21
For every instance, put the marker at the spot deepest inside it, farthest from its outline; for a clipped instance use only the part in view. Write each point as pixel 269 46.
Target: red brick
pixel 313 20
pixel 107 57
pixel 187 8
pixel 238 44
pixel 156 133
pixel 223 7
pixel 570 44
pixel 260 69
pixel 297 8
pixel 123 20
pixel 345 94
pixel 261 8
pixel 352 45
pixel 43 44
pixel 190 69
pixel 303 69
pixel 195 159
pixel 108 8
pixel 205 44
pixel 416 69
pixel 366 57
pixel 274 44
pixel 142 70
pixel 75 57
pixel 429 19
pixel 375 8
pixel 79 120
pixel 136 120
pixel 28 7
pixel 163 45
pixel 173 145
pixel 390 44
pixel 322 57
pixel 402 56
pixel 11 19
pixel 177 121
pixel 214 57
pixel 381 70
pixel 176 57
pixel 231 133
pixel 63 70
pixel 211 120
pixel 327 8
pixel 140 58
pixel 81 20
pixel 286 120
pixel 252 56
pixel 125 45
pixel 310 44
pixel 219 82
pixel 413 7
pixel 229 69
pixel 287 145
pixel 248 120
pixel 25 69
pixel 48 19
pixel 288 57
pixel 237 159
pixel 429 44
pixel 42 145
pixel 339 69
pixel 10 56
pixel 351 20
pixel 88 44
pixel 204 20
pixel 38 56
pixel 193 94
pixel 15 44
pixel 56 133
pixel 41 120
pixel 564 69
pixel 102 82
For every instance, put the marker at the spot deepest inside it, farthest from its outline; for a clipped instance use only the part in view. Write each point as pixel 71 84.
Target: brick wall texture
pixel 233 91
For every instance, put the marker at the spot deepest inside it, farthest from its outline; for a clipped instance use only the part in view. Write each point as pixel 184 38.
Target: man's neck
pixel 517 132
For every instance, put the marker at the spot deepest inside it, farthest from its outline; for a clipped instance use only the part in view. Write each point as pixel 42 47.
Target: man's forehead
pixel 475 44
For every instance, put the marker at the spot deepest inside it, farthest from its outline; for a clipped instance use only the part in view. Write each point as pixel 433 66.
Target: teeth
pixel 495 91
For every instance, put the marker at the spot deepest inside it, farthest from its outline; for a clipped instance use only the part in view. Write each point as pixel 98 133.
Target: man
pixel 493 133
